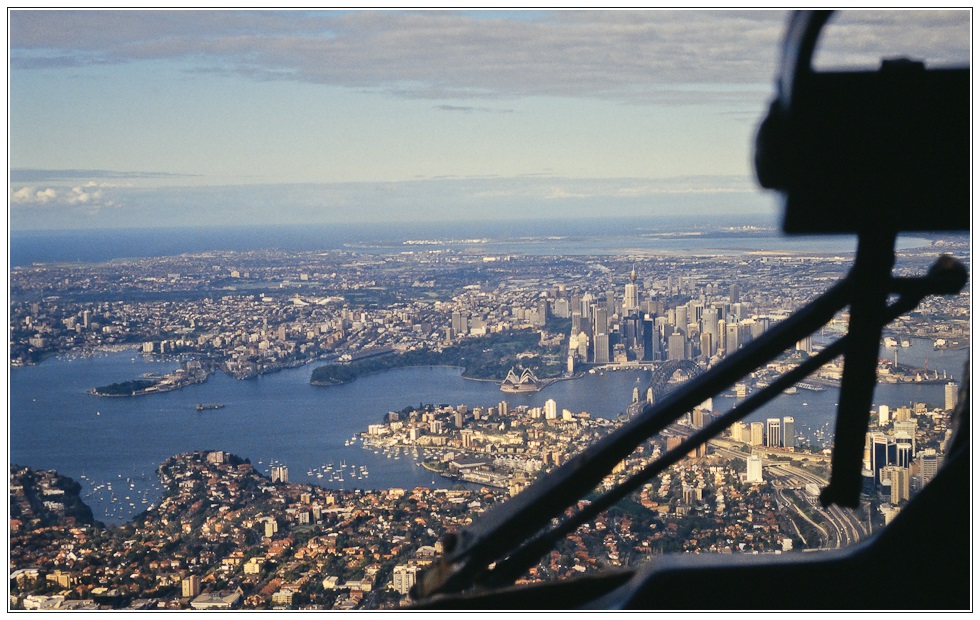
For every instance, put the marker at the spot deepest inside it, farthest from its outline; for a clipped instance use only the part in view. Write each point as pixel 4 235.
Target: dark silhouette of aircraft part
pixel 868 153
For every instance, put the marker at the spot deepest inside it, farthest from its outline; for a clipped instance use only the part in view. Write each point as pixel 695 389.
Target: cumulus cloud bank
pixel 90 195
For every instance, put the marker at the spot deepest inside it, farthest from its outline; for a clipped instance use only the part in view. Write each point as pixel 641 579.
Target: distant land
pixel 538 237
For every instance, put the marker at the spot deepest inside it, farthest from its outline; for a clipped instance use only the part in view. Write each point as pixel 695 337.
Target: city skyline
pixel 177 118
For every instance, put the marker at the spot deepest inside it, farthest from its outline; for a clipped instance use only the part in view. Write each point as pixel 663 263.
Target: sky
pixel 198 118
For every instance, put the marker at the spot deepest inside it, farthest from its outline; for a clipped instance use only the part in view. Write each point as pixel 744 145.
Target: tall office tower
pixel 739 431
pixel 902 414
pixel 789 432
pixel 950 396
pixel 631 329
pixel 610 303
pixel 706 345
pixel 709 321
pixel 86 318
pixel 753 469
pixel 772 432
pixel 929 463
pixel 542 313
pixel 561 308
pixel 692 331
pixel 903 451
pixel 906 430
pixel 805 345
pixel 695 311
pixel 680 317
pixel 648 330
pixel 600 323
pixel 900 479
pixel 576 322
pixel 280 473
pixel 550 409
pixel 458 419
pixel 631 299
pixel 503 408
pixel 585 308
pixel 675 346
pixel 756 433
pixel 878 453
pixel 731 338
pixel 459 323
pixel 697 417
pixel 734 294
pixel 883 414
pixel 601 355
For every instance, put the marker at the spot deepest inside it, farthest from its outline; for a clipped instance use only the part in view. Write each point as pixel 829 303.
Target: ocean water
pixel 536 237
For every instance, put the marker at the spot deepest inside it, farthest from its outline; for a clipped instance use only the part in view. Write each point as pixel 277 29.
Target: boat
pixel 202 407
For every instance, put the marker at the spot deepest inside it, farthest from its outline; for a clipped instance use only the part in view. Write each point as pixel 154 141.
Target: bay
pixel 280 417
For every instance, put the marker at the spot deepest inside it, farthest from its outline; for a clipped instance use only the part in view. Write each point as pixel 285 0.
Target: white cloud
pixel 30 195
pixel 639 56
pixel 89 197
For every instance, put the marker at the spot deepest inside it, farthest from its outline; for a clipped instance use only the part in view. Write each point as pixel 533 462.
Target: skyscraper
pixel 602 349
pixel 731 338
pixel 878 451
pixel 753 469
pixel 905 433
pixel 280 473
pixel 675 346
pixel 550 409
pixel 757 431
pixel 739 431
pixel 680 317
pixel 929 463
pixel 772 432
pixel 648 330
pixel 706 345
pixel 789 432
pixel 950 396
pixel 631 299
pixel 459 323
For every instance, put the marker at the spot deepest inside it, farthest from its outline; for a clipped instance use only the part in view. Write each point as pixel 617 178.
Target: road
pixel 840 527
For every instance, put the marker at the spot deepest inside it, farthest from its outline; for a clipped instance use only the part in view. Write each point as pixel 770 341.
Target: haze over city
pixel 186 118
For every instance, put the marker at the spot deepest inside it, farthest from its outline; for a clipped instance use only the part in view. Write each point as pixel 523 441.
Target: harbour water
pixel 113 446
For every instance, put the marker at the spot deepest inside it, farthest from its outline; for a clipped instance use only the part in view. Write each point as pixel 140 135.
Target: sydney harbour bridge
pixel 660 381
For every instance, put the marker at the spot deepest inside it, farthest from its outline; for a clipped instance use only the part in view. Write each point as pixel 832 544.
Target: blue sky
pixel 176 118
